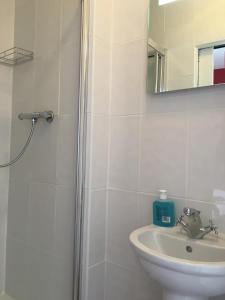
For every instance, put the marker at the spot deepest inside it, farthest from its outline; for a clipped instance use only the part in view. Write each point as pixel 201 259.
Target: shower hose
pixel 13 161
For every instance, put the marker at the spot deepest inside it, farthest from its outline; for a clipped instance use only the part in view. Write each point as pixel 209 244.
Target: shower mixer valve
pixel 34 117
pixel 47 115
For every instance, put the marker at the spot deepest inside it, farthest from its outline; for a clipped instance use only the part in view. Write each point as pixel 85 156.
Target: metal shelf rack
pixel 15 56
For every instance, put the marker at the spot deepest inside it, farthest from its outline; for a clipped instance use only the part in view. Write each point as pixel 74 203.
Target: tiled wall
pixel 129 205
pixel 174 141
pixel 98 144
pixel 39 262
pixel 6 84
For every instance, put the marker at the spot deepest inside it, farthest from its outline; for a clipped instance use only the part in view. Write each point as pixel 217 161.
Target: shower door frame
pixel 78 275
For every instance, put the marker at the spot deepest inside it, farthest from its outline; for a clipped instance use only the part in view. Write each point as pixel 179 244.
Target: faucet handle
pixel 213 227
pixel 191 211
pixel 179 220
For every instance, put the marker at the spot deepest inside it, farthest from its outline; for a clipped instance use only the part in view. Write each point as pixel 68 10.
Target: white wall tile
pixel 6 76
pixel 17 269
pixel 96 279
pixel 97 227
pixel 41 216
pixel 165 103
pixel 5 126
pixel 103 19
pixel 18 209
pixel 40 273
pixel 47 33
pixel 124 152
pixel 99 153
pixel 145 206
pixel 7 15
pixel 127 78
pixel 207 145
pixel 47 83
pixel 147 289
pixel 131 12
pixel 23 85
pixel 163 153
pixel 44 276
pixel 69 79
pixel 122 220
pixel 4 185
pixel 70 21
pixel 66 150
pixel 101 77
pixel 64 211
pixel 29 270
pixel 120 284
pixel 44 145
pixel 61 285
pixel 24 33
pixel 208 98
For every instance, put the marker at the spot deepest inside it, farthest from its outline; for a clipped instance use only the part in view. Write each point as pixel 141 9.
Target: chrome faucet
pixel 191 222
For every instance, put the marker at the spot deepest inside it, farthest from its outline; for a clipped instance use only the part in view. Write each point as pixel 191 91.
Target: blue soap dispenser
pixel 163 211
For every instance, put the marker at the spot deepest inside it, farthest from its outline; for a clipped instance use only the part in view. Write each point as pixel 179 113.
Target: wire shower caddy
pixel 15 56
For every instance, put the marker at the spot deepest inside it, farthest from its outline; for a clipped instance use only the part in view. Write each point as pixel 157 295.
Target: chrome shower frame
pixel 80 203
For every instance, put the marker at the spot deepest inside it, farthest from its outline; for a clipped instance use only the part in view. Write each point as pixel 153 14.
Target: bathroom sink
pixel 187 269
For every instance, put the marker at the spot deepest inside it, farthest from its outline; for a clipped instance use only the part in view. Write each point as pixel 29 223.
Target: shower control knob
pixel 47 115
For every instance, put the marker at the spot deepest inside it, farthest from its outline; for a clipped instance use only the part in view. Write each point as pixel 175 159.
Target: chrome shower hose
pixel 13 161
pixel 34 117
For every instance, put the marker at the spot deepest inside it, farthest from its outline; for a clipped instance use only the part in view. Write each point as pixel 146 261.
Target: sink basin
pixel 187 269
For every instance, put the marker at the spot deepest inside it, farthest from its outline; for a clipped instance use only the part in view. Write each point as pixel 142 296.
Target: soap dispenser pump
pixel 163 210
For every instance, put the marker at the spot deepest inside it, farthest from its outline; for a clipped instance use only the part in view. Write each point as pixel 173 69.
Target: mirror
pixel 186 44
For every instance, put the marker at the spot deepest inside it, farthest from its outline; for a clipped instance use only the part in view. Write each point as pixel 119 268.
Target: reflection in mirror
pixel 156 64
pixel 186 44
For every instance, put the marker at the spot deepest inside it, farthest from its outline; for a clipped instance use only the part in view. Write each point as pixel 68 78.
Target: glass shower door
pixel 38 192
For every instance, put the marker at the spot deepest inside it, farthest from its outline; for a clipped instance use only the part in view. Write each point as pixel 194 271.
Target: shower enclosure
pixel 39 72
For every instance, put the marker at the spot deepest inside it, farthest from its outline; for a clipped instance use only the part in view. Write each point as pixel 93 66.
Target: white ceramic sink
pixel 187 269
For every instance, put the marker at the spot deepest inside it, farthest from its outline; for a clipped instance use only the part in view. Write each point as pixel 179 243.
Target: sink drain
pixel 189 249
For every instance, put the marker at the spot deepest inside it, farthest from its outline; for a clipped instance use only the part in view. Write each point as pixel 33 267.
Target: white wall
pixel 6 84
pixel 39 263
pixel 175 141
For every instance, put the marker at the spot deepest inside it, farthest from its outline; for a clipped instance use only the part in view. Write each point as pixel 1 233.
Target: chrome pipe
pixel 47 115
